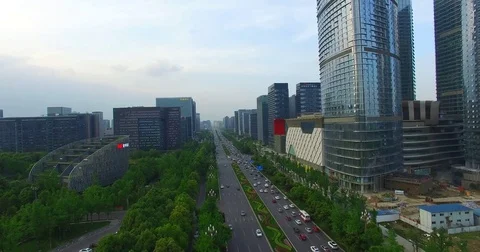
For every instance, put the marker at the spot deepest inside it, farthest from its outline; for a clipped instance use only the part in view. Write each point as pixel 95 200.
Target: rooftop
pixel 387 212
pixel 444 208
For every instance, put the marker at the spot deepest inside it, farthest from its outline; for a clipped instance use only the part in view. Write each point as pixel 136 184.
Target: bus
pixel 304 215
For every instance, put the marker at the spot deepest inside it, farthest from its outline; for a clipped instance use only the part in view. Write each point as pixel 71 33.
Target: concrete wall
pixel 387 218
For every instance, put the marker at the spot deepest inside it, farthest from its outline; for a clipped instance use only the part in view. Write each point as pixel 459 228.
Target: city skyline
pixel 116 60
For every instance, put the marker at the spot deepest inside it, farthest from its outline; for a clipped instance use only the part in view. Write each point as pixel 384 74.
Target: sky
pixel 95 55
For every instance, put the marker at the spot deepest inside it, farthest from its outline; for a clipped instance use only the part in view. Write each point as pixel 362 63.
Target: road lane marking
pixel 238 249
pixel 248 247
pixel 259 249
pixel 243 232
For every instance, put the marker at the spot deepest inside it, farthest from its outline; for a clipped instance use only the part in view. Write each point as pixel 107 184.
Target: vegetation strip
pixel 273 232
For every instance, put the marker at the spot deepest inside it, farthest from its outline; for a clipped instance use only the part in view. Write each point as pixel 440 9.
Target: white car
pixel 314 249
pixel 286 207
pixel 291 206
pixel 86 250
pixel 299 222
pixel 221 187
pixel 255 184
pixel 261 190
pixel 285 197
pixel 230 226
pixel 277 197
pixel 265 190
pixel 332 244
pixel 266 185
pixel 258 232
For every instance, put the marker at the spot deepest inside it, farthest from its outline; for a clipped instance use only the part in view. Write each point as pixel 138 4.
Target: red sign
pixel 279 127
pixel 122 145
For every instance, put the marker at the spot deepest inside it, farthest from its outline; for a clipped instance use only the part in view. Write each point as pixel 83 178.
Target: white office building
pixel 446 216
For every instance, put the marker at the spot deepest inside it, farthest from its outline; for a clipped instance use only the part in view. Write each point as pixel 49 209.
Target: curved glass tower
pixel 361 95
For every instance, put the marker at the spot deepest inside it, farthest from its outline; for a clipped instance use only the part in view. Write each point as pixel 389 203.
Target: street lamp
pixel 212 193
pixel 211 230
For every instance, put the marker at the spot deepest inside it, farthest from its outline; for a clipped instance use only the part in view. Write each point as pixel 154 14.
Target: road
pixel 232 201
pixel 313 239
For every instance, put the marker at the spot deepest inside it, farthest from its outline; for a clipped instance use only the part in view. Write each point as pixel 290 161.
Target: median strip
pixel 274 234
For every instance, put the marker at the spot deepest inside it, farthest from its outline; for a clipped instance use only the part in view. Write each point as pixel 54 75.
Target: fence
pixel 414 223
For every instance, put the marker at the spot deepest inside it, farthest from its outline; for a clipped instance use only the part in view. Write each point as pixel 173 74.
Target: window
pixel 441 222
pixel 441 214
pixel 433 215
pixel 434 222
pixel 467 212
pixel 459 220
pixel 467 219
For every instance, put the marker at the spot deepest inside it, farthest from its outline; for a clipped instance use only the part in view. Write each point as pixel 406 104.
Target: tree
pixel 167 245
pixel 439 241
pixel 391 244
pixel 415 237
pixel 463 245
pixel 173 231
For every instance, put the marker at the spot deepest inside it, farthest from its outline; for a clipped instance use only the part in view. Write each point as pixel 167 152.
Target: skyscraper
pixel 252 126
pixel 197 122
pixel 187 108
pixel 262 118
pixel 100 127
pixel 471 81
pixel 277 106
pixel 235 121
pixel 55 111
pixel 292 106
pixel 308 98
pixel 406 49
pixel 448 57
pixel 1 113
pixel 361 95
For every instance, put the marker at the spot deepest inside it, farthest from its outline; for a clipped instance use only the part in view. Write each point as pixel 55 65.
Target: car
pixel 86 250
pixel 266 185
pixel 258 232
pixel 302 237
pixel 265 190
pixel 255 178
pixel 225 165
pixel 324 248
pixel 314 249
pixel 309 230
pixel 316 229
pixel 288 218
pixel 255 184
pixel 261 190
pixel 332 244
pixel 242 213
pixel 266 180
pixel 221 187
pixel 296 230
pixel 298 222
pixel 277 197
pixel 294 213
pixel 291 206
pixel 274 201
pixel 238 188
pixel 228 186
pixel 285 197
pixel 280 210
pixel 286 207
pixel 230 226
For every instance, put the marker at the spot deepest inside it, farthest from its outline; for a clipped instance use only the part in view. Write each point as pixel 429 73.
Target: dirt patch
pixel 473 239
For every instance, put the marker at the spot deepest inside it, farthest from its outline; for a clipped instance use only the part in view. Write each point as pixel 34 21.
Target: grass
pixel 226 150
pixel 76 231
pixel 473 239
pixel 272 231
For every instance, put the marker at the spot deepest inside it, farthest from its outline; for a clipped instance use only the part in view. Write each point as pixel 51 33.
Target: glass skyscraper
pixel 309 98
pixel 361 94
pixel 407 53
pixel 471 81
pixel 448 58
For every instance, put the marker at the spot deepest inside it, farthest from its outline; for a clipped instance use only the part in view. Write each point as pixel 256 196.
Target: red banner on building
pixel 279 127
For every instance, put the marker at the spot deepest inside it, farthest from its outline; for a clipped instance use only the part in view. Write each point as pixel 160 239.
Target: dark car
pixel 238 188
pixel 288 218
pixel 296 230
pixel 324 248
pixel 302 237
pixel 316 229
pixel 274 201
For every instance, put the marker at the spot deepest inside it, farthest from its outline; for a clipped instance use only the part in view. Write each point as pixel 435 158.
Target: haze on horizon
pixel 97 55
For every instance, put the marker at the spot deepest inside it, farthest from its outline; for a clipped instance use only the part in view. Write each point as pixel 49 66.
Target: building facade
pixel 56 111
pixel 308 98
pixel 197 123
pixel 82 163
pixel 429 143
pixel 361 94
pixel 304 140
pixel 292 107
pixel 262 119
pixel 471 80
pixel 446 216
pixel 406 49
pixel 149 127
pixel 28 134
pixel 277 106
pixel 252 126
pixel 448 57
pixel 100 127
pixel 235 122
pixel 1 113
pixel 187 107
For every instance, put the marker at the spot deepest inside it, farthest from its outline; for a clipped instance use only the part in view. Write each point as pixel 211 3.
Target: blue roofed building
pixel 387 215
pixel 448 216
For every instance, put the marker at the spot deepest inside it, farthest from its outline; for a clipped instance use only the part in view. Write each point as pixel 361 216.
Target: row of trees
pixel 244 145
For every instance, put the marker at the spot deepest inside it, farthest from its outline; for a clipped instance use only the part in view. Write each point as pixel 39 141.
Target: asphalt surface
pixel 232 202
pixel 313 239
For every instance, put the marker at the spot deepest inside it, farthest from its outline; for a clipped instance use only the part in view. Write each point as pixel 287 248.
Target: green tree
pixel 174 231
pixel 167 245
pixel 415 237
pixel 439 241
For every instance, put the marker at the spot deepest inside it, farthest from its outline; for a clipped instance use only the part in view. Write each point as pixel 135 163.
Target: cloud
pixel 161 68
pixel 119 68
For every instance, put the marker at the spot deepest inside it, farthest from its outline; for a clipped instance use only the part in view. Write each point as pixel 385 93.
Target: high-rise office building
pixel 1 113
pixel 100 127
pixel 236 128
pixel 188 113
pixel 361 94
pixel 262 119
pixel 252 126
pixel 56 111
pixel 292 106
pixel 106 124
pixel 197 122
pixel 277 106
pixel 471 81
pixel 448 57
pixel 225 122
pixel 149 127
pixel 406 49
pixel 27 134
pixel 194 112
pixel 308 98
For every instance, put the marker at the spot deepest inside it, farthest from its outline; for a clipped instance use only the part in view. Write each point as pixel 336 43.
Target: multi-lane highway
pixel 312 239
pixel 232 202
